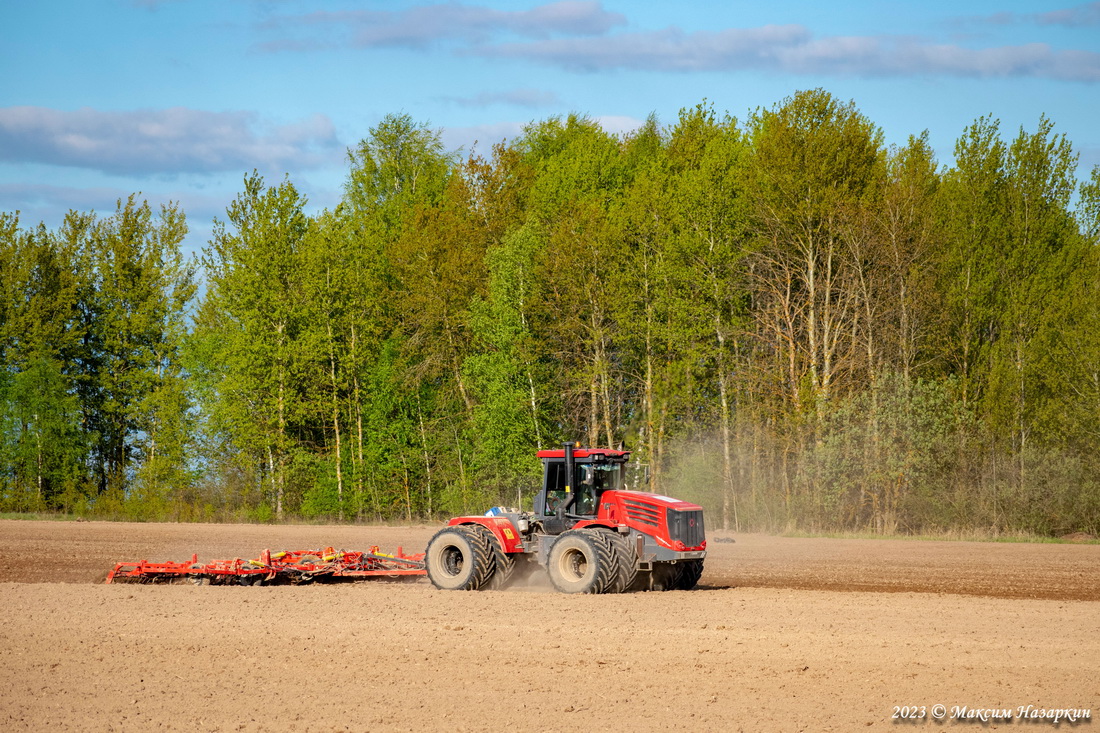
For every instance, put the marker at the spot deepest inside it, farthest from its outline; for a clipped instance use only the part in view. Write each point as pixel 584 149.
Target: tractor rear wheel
pixel 459 558
pixel 581 562
pixel 503 564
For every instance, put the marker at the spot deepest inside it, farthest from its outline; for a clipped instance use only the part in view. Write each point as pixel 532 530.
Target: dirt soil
pixel 783 634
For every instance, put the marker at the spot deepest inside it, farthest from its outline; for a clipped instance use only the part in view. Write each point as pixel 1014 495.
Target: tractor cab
pixel 573 482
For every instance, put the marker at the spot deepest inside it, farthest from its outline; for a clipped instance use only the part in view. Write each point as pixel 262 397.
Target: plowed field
pixel 783 634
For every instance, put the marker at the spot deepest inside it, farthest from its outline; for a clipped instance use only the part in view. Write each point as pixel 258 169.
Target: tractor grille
pixel 686 527
pixel 643 513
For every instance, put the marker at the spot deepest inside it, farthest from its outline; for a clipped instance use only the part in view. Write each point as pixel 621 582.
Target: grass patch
pixel 965 535
pixel 43 516
pixel 226 517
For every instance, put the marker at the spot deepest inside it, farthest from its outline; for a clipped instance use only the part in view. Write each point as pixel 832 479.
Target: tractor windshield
pixel 594 479
pixel 601 477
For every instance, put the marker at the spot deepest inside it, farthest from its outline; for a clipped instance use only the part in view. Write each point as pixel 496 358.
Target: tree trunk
pixel 650 419
pixel 534 408
pixel 280 329
pixel 594 411
pixel 605 388
pixel 336 423
pixel 729 502
pixel 424 447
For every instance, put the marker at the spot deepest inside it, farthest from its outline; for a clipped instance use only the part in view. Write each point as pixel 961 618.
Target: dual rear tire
pixel 460 558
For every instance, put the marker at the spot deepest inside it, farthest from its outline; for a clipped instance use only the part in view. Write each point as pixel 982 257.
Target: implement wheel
pixel 582 562
pixel 459 558
pixel 198 579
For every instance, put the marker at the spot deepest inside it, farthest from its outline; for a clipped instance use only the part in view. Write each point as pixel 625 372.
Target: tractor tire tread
pixel 504 565
pixel 626 570
pixel 486 562
pixel 481 558
pixel 598 553
pixel 607 570
pixel 690 572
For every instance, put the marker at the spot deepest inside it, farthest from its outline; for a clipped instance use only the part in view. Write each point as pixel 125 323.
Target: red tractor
pixel 591 534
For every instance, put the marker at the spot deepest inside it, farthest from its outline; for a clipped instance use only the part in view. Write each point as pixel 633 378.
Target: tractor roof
pixel 582 454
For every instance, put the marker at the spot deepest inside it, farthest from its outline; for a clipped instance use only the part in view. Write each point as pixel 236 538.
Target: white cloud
pixel 165 141
pixel 670 49
pixel 1078 16
pixel 581 36
pixel 793 49
pixel 418 27
pixel 1081 15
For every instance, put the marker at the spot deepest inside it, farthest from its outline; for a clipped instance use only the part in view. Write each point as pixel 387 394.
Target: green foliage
pixel 400 163
pixel 42 445
pixel 508 416
pixel 887 455
pixel 249 343
pixel 95 405
pixel 789 323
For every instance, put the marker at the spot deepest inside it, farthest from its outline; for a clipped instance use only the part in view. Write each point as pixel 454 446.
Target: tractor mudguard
pixel 505 532
pixel 594 523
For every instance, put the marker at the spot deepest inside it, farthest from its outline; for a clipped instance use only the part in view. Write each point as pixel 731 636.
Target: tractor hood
pixel 654 500
pixel 671 523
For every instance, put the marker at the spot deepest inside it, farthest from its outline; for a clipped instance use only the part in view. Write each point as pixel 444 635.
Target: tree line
pixel 787 321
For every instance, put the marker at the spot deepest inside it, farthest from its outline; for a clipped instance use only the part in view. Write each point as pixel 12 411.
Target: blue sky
pixel 178 99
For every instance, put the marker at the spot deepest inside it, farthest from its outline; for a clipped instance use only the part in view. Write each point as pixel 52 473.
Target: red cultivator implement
pixel 301 566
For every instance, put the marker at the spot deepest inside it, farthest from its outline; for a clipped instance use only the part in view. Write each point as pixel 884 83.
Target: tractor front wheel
pixel 626 566
pixel 580 562
pixel 459 558
pixel 690 572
